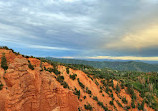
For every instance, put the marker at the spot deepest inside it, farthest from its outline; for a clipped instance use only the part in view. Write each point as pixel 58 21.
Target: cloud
pixel 126 58
pixel 117 58
pixel 67 57
pixel 69 0
pixel 144 38
pixel 48 48
pixel 81 27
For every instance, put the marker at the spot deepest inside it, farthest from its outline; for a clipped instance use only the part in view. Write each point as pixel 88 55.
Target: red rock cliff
pixel 32 90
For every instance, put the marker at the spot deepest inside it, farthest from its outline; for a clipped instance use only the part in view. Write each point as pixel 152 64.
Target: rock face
pixel 33 90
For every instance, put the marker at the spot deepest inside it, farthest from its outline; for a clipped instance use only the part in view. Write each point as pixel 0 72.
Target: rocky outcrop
pixel 33 90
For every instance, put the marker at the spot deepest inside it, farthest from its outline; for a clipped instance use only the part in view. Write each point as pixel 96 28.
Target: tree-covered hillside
pixel 122 66
pixel 146 83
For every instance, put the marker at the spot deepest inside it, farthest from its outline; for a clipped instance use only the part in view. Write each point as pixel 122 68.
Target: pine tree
pixel 4 62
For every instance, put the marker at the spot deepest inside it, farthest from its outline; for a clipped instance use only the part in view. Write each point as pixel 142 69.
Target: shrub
pixel 4 62
pixel 88 91
pixel 1 86
pixel 79 109
pixel 102 105
pixel 60 79
pixel 111 102
pixel 96 82
pixel 4 47
pixel 90 77
pixel 62 82
pixel 101 87
pixel 117 88
pixel 80 83
pixel 77 92
pixel 119 103
pixel 67 70
pixel 133 104
pixel 30 65
pixel 56 72
pixel 88 107
pixel 95 98
pixel 124 100
pixel 122 86
pixel 107 90
pixel 84 97
pixel 133 96
pixel 111 83
pixel 110 90
pixel 141 106
pixel 111 95
pixel 130 91
pixel 103 82
pixel 65 85
pixel 41 66
pixel 73 77
pixel 128 107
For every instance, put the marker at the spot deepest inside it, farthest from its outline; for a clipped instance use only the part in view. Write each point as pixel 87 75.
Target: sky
pixel 95 29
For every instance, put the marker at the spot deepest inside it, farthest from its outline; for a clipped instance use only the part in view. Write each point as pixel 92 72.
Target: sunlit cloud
pixel 143 38
pixel 126 58
pixel 117 58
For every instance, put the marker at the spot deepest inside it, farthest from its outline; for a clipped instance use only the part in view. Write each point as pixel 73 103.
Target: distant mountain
pixel 115 65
